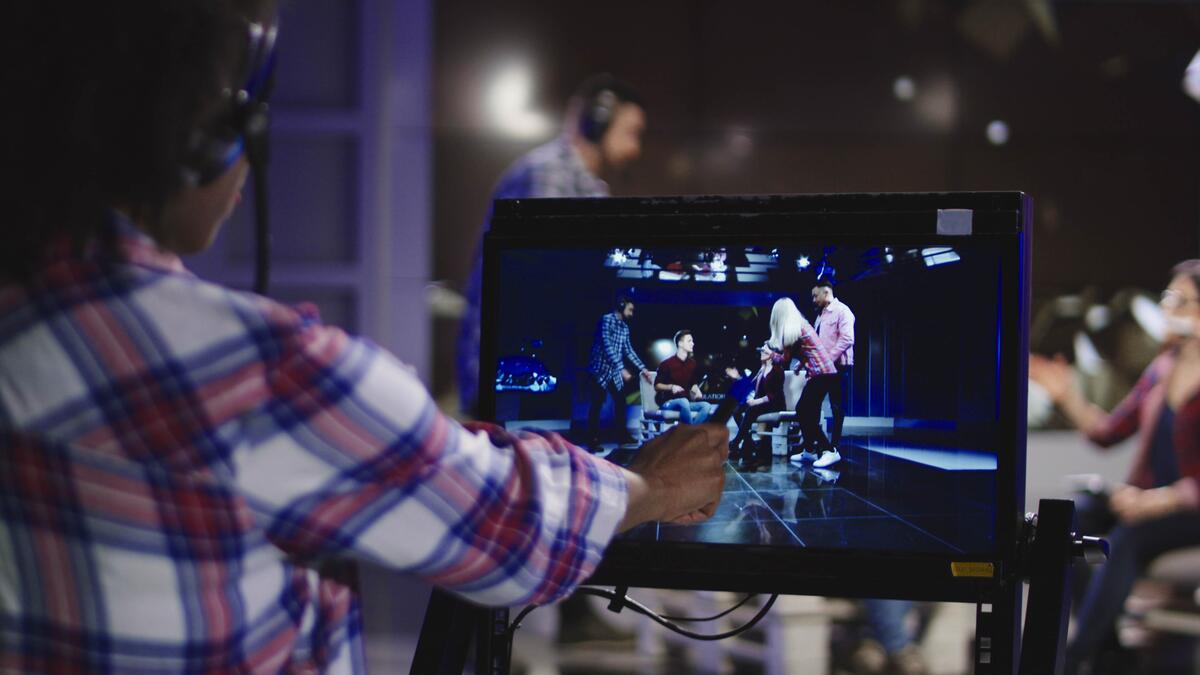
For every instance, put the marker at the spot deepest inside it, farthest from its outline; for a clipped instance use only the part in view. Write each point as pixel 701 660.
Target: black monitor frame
pixel 1001 218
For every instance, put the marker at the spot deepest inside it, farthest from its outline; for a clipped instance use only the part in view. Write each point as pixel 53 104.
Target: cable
pixel 714 617
pixel 520 617
pixel 646 611
pixel 666 622
pixel 256 151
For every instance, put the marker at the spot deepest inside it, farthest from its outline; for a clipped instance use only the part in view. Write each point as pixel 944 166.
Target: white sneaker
pixel 828 458
pixel 827 475
pixel 803 456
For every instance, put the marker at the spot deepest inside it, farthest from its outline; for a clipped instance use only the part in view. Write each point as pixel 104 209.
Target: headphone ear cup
pixel 215 148
pixel 598 115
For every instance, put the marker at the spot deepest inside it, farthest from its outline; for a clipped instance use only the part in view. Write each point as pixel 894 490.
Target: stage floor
pixel 919 499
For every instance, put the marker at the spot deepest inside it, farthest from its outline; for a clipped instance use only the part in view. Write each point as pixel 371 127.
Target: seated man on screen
pixel 677 385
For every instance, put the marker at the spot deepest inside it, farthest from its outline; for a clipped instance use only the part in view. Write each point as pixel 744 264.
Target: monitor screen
pixel 912 383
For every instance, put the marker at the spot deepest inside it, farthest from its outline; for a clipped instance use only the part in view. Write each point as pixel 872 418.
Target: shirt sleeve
pixel 845 331
pixel 612 346
pixel 631 355
pixel 1125 419
pixel 773 383
pixel 350 457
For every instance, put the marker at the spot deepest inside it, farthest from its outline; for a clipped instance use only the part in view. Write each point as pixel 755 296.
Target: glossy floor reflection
pixel 882 495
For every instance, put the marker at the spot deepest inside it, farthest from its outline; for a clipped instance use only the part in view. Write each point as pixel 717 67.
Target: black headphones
pixel 623 301
pixel 597 114
pixel 242 127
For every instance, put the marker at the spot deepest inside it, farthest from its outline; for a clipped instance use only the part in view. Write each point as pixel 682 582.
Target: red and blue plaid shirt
pixel 810 351
pixel 178 459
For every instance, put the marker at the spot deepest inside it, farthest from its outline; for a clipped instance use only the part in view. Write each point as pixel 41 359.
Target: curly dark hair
pixel 108 95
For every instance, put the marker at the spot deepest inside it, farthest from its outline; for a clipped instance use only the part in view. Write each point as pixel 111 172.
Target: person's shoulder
pixel 522 170
pixel 1161 365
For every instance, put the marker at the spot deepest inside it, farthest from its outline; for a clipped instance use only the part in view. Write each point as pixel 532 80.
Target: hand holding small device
pixel 678 476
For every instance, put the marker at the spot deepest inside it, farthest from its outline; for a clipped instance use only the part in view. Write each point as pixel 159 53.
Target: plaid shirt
pixel 610 348
pixel 811 352
pixel 176 459
pixel 551 170
pixel 1139 413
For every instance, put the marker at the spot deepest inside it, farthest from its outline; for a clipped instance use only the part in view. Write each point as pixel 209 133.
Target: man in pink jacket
pixel 835 326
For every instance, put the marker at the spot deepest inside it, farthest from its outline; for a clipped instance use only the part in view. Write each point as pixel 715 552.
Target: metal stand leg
pixel 447 633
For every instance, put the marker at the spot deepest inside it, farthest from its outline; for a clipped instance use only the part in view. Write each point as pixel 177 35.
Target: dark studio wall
pixel 774 97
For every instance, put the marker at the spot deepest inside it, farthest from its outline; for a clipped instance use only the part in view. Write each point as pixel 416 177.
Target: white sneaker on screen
pixel 828 458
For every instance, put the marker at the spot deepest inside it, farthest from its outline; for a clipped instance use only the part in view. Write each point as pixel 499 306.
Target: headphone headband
pixel 218 146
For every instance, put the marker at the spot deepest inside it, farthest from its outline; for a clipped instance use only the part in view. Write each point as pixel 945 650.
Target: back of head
pixel 595 102
pixel 1188 268
pixel 786 323
pixel 112 94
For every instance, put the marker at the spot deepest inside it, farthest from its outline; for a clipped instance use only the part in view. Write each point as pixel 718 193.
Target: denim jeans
pixel 889 621
pixel 690 412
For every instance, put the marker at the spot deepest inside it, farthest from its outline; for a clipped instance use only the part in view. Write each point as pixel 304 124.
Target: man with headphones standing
pixel 607 366
pixel 602 132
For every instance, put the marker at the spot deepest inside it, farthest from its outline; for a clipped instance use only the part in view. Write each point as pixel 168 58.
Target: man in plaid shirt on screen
pixel 180 463
pixel 608 365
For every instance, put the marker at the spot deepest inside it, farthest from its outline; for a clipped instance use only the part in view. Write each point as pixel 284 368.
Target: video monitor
pixel 919 303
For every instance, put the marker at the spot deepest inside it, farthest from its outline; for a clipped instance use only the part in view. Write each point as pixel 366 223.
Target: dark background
pixel 797 97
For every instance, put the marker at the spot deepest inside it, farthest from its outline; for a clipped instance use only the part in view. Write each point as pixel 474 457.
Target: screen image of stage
pixel 920 429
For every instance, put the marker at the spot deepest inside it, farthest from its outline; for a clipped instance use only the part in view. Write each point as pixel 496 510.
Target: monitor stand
pixel 1047 548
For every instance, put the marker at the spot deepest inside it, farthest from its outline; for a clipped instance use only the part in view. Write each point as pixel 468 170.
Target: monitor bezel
pixel 1000 217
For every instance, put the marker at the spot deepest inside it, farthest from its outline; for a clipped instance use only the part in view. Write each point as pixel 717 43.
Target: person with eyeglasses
pixel 1158 509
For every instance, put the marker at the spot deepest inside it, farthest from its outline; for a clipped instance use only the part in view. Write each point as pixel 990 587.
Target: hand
pixel 703 513
pixel 1132 505
pixel 676 389
pixel 678 476
pixel 647 376
pixel 695 393
pixel 733 374
pixel 752 402
pixel 1054 375
pixel 626 375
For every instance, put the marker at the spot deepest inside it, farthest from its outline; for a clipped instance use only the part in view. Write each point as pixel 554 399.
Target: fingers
pixel 698 516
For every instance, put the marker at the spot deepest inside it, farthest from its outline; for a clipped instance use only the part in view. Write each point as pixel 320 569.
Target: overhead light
pixel 938 104
pixel 662 349
pixel 825 270
pixel 741 144
pixel 904 88
pixel 1191 78
pixel 938 255
pixel 802 262
pixel 997 132
pixel 509 98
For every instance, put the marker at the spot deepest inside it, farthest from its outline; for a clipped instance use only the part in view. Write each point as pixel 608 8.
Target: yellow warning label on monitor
pixel 973 569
